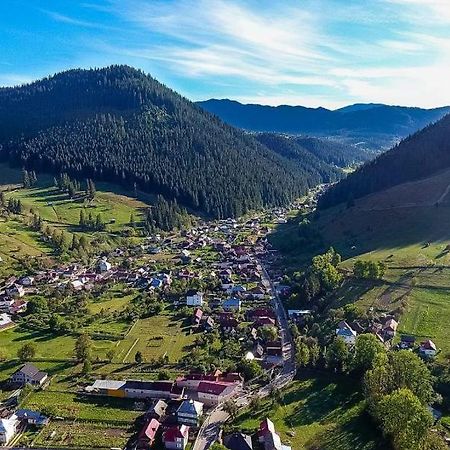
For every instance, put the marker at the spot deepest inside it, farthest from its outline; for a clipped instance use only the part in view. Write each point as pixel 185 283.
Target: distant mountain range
pixel 374 126
pixel 121 125
pixel 418 156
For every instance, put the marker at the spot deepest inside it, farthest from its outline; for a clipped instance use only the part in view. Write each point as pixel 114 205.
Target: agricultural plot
pixel 83 435
pixel 155 337
pixel 317 413
pixel 70 405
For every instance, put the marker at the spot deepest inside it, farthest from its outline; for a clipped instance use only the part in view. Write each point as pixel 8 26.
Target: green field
pixel 155 337
pixel 73 406
pixel 83 435
pixel 402 227
pixel 318 413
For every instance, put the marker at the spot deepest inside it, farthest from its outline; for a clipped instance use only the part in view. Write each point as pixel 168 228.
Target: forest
pixel 417 156
pixel 121 125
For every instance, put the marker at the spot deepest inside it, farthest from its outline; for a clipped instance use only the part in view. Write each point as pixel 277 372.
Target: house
pixel 212 393
pixel 269 438
pixel 346 332
pixel 34 418
pixel 264 321
pixel 390 328
pixel 238 441
pixel 232 304
pixel 104 265
pixel 176 437
pixel 27 281
pixel 8 428
pixel 147 435
pixel 194 298
pixel 428 348
pixel 256 313
pixel 29 374
pixel 208 323
pixel 157 410
pixel 189 413
pixel 5 321
pixel 16 291
pixel 197 316
pixel 406 341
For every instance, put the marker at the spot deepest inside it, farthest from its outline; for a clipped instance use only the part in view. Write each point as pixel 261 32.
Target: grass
pixel 70 405
pixel 48 346
pixel 318 413
pixel 155 337
pixel 402 227
pixel 87 435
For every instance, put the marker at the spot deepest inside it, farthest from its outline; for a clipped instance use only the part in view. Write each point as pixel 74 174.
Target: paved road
pixel 209 432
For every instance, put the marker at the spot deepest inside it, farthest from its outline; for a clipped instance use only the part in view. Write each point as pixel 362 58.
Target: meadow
pixel 319 412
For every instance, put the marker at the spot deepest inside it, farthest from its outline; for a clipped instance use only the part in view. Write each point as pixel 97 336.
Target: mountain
pixel 121 125
pixel 418 156
pixel 316 153
pixel 371 125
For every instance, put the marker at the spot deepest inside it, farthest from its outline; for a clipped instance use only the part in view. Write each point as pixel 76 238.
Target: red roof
pixel 150 430
pixel 173 433
pixel 211 387
pixel 428 345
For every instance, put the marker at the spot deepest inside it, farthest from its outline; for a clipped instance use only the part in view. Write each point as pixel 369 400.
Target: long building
pixel 136 389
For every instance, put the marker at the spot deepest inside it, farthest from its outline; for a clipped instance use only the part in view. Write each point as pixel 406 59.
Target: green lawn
pixel 319 413
pixel 70 405
pixel 48 346
pixel 155 337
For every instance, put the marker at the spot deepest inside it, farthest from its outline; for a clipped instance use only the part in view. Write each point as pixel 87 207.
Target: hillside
pixel 120 125
pixel 372 126
pixel 315 153
pixel 418 156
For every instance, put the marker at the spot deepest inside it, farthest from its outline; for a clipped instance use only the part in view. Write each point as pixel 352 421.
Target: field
pixel 83 435
pixel 318 413
pixel 155 337
pixel 404 228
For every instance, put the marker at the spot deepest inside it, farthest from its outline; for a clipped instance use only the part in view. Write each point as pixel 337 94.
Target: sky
pixel 313 53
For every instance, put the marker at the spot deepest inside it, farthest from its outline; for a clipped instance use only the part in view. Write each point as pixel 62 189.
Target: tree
pixel 231 407
pixel 337 355
pixel 367 349
pixel 217 446
pixel 250 369
pixel 275 395
pixel 110 354
pixel 138 357
pixel 83 347
pixel 302 354
pixel 404 419
pixel 87 367
pixel 268 333
pixel 27 351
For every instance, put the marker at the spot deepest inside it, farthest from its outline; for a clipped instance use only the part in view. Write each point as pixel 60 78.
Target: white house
pixel 194 298
pixel 5 321
pixel 29 374
pixel 8 428
pixel 346 332
pixel 428 348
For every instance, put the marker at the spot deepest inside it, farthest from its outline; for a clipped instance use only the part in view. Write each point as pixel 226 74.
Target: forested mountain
pixel 121 125
pixel 377 124
pixel 417 156
pixel 315 153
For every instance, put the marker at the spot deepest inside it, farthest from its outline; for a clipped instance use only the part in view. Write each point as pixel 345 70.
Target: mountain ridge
pixel 119 124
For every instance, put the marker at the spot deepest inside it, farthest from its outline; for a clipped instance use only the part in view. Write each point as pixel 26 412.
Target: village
pixel 184 329
pixel 213 276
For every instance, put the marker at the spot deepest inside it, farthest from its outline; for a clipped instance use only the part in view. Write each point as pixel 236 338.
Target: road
pixel 214 421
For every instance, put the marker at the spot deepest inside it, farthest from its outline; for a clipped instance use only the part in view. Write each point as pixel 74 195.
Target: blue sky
pixel 308 52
